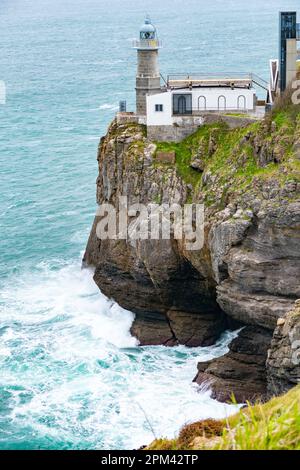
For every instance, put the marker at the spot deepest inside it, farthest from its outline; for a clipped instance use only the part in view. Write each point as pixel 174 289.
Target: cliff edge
pixel 246 274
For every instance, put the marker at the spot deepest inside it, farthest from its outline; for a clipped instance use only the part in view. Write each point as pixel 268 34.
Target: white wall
pixel 158 118
pixel 215 101
pixel 203 99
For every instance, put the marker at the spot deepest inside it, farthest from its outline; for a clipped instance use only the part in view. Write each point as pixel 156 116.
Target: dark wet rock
pixel 198 329
pixel 242 371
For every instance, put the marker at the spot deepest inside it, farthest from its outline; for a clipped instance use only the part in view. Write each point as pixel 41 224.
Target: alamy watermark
pixel 296 93
pixel 2 92
pixel 152 222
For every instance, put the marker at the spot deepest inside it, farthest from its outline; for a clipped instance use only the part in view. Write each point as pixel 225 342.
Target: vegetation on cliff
pixel 231 160
pixel 274 425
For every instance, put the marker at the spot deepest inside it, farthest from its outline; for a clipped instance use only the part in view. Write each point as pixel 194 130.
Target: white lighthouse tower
pixel 148 76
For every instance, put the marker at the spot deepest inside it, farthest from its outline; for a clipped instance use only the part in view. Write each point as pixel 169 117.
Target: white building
pixel 170 105
pixel 185 102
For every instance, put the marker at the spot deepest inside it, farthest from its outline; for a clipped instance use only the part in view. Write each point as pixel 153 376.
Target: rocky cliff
pixel 283 363
pixel 246 274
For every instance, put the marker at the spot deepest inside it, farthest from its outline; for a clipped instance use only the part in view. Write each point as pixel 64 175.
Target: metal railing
pixel 214 76
pixel 145 44
pixel 261 82
pixel 218 79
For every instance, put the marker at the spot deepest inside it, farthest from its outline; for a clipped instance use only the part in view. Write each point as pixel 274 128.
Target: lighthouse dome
pixel 148 31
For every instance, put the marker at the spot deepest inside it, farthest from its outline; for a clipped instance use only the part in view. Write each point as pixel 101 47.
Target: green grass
pixel 187 148
pixel 274 425
pixel 271 426
pixel 241 115
pixel 183 157
pixel 233 163
pixel 285 120
pixel 284 111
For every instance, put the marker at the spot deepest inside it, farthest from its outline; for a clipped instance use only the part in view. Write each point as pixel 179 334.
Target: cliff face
pixel 174 302
pixel 248 271
pixel 283 363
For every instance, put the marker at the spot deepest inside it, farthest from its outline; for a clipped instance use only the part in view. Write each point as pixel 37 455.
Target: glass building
pixel 287 30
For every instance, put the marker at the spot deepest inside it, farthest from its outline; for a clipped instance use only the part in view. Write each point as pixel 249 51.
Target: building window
pixel 182 103
pixel 147 35
pixel 159 108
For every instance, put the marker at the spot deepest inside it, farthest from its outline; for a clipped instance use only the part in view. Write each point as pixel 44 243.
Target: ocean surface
pixel 71 375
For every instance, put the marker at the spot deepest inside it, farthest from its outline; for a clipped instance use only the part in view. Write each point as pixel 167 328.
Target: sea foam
pixel 74 377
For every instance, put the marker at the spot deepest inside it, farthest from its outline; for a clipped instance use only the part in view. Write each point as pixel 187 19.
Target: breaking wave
pixel 74 377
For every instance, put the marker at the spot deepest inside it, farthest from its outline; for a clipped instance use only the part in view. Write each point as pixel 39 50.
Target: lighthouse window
pixel 147 35
pixel 159 108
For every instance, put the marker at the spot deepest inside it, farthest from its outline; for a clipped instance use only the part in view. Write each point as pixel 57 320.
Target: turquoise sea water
pixel 71 374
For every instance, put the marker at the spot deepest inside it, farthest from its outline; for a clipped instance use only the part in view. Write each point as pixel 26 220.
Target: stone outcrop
pixel 283 363
pixel 173 301
pixel 241 373
pixel 258 257
pixel 248 268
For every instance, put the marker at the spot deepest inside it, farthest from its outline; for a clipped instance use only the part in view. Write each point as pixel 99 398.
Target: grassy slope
pixel 274 425
pixel 233 164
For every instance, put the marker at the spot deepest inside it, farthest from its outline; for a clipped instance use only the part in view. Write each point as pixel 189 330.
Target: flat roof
pixel 212 82
pixel 232 80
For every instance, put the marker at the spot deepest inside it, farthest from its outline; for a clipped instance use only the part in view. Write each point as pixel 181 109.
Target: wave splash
pixel 73 377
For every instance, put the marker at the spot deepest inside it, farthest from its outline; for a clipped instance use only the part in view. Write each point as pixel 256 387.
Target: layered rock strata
pixel 283 363
pixel 248 269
